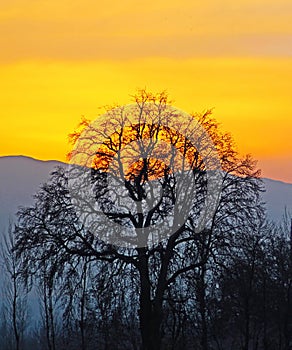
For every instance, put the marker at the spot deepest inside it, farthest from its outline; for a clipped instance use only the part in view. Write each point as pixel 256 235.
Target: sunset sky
pixel 63 59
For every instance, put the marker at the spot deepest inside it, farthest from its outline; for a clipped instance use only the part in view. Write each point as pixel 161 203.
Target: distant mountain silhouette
pixel 21 177
pixel 277 197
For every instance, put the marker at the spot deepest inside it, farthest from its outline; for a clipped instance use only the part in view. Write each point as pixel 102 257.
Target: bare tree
pixel 14 292
pixel 164 237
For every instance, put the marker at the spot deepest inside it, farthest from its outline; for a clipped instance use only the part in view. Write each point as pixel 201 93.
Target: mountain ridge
pixel 21 177
pixel 65 163
pixel 31 158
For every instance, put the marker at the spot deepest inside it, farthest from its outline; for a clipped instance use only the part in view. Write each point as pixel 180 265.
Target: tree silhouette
pixel 137 200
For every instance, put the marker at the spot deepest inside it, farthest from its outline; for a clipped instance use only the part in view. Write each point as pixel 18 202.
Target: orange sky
pixel 63 59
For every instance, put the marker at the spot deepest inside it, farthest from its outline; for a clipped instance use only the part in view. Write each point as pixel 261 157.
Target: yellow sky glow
pixel 62 60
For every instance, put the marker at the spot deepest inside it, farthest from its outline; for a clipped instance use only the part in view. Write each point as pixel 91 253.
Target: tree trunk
pixel 82 306
pixel 47 320
pixel 202 308
pixel 150 311
pixel 14 308
pixel 150 321
pixel 265 338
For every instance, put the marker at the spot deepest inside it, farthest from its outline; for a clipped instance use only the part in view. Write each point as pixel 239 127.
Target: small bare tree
pixel 14 307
